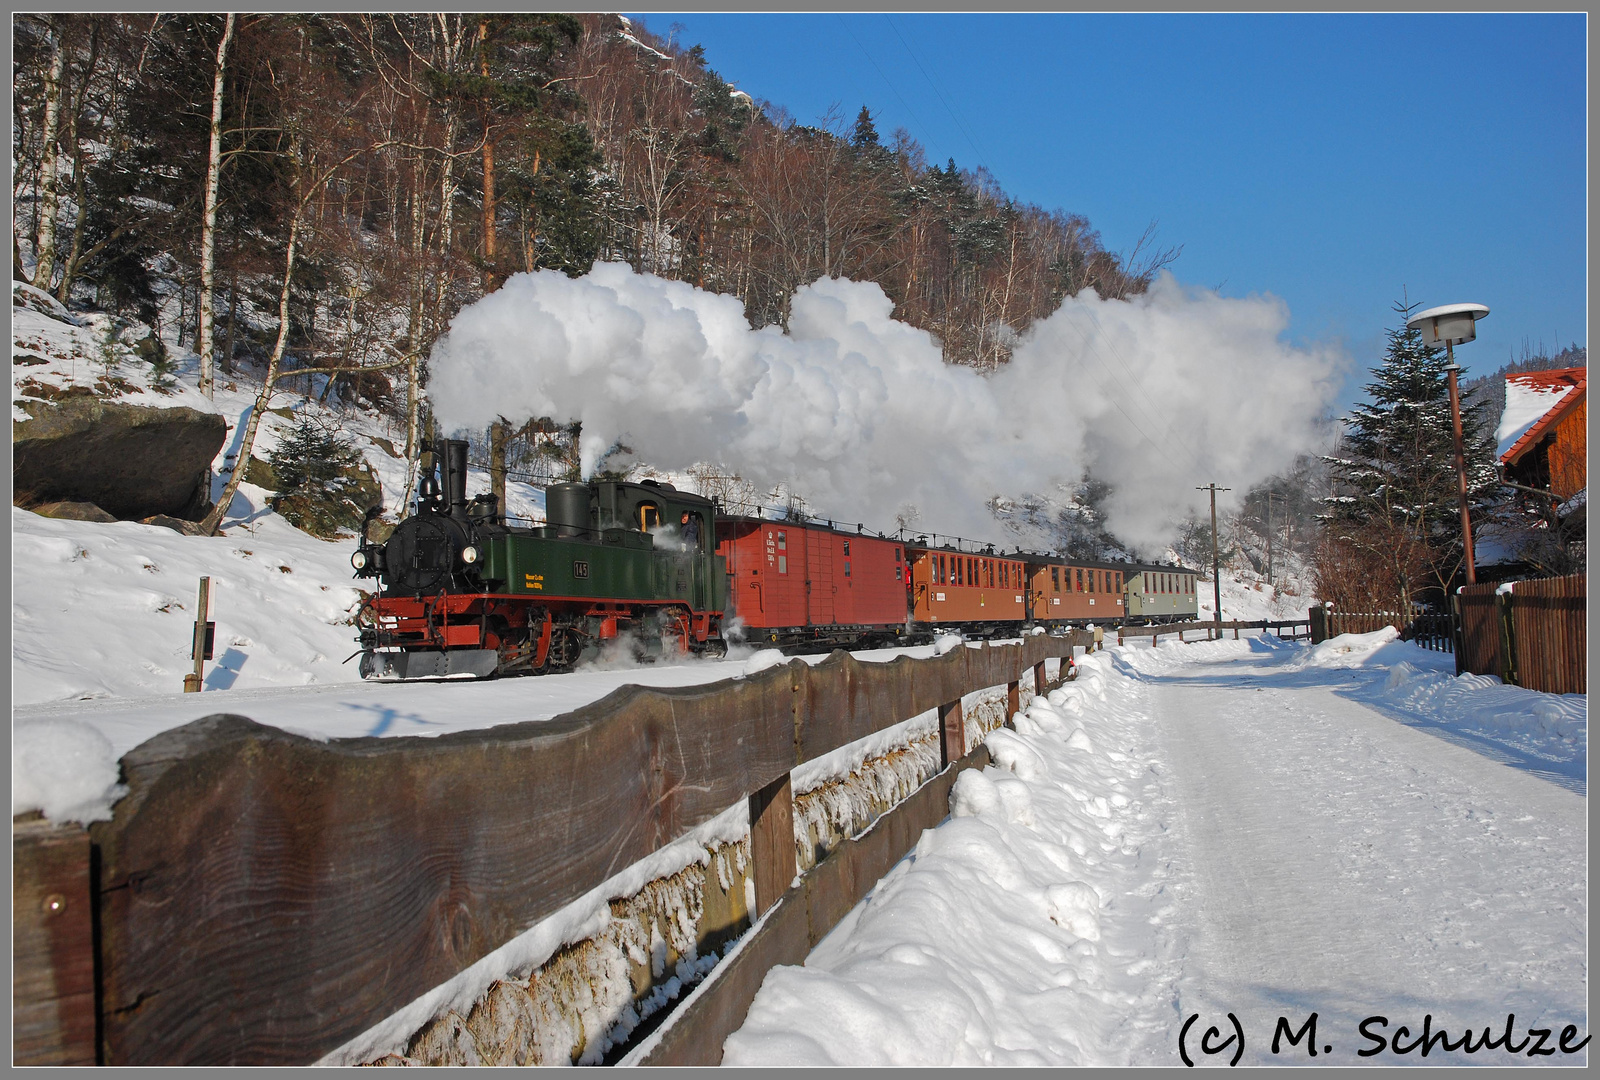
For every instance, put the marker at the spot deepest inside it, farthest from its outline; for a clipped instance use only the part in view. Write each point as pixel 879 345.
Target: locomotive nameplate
pixel 580 569
pixel 533 581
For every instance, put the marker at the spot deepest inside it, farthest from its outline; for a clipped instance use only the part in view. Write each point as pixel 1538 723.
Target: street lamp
pixel 1452 325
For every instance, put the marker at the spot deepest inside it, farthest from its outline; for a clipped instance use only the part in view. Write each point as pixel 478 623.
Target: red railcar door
pixel 819 577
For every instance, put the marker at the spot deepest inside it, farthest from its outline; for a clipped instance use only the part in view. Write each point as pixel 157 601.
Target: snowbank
pixel 1346 650
pixel 928 969
pixel 1551 725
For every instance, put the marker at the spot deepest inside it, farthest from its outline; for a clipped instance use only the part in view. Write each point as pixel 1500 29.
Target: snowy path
pixel 1340 863
pixel 1263 841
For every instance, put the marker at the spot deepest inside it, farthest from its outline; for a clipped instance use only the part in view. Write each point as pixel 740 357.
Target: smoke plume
pixel 1172 389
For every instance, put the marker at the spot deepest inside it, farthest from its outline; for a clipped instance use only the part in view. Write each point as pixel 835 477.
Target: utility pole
pixel 1271 495
pixel 1216 560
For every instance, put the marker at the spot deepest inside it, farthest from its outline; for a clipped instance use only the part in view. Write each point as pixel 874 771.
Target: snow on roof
pixel 1533 401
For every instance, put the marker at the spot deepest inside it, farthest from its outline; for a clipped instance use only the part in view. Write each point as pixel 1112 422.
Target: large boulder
pixel 132 461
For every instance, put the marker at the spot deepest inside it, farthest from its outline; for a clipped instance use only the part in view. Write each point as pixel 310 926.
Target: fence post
pixel 952 734
pixel 1319 624
pixel 772 854
pixel 1013 701
pixel 1038 680
pixel 1458 633
pixel 1508 640
pixel 191 681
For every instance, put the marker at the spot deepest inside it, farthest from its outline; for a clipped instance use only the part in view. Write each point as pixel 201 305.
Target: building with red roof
pixel 1542 437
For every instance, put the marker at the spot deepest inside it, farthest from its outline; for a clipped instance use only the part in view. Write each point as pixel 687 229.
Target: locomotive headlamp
pixel 469 554
pixel 359 560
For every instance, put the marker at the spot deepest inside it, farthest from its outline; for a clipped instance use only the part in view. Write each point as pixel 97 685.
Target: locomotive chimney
pixel 455 483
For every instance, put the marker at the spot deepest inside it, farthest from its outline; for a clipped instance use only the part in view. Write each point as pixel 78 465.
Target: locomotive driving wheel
pixel 565 646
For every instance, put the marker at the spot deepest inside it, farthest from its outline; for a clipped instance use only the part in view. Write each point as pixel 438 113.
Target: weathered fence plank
pixel 266 897
pixel 52 946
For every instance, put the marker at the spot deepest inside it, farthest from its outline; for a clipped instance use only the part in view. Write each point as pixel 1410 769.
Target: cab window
pixel 649 517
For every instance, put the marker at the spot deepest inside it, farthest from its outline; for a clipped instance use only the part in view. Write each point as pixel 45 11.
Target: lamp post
pixel 1452 325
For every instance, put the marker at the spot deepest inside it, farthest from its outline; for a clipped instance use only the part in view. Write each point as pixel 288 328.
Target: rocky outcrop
pixel 132 461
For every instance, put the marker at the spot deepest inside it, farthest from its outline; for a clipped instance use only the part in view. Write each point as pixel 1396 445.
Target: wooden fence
pixel 261 898
pixel 1287 629
pixel 1436 632
pixel 1531 633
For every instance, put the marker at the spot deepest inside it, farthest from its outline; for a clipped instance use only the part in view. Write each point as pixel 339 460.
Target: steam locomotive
pixel 652 569
pixel 462 592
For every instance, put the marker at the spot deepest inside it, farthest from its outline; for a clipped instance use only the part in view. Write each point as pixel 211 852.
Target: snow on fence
pixel 1287 629
pixel 1436 632
pixel 259 897
pixel 1530 633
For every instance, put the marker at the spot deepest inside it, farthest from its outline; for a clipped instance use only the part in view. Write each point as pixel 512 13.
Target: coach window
pixel 783 541
pixel 1055 579
pixel 847 548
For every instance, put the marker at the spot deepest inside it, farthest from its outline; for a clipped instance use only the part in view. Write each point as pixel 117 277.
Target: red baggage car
pixel 805 584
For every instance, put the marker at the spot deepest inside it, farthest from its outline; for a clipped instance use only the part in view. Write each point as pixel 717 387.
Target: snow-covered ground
pixel 1224 827
pixel 1246 597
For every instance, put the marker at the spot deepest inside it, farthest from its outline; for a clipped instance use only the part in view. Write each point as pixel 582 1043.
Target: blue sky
pixel 1327 159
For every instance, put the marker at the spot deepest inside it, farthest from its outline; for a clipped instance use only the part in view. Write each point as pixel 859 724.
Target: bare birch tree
pixel 208 226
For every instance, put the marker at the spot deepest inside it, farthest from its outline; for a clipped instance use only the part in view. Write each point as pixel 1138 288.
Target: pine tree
pixel 1395 487
pixel 866 133
pixel 321 486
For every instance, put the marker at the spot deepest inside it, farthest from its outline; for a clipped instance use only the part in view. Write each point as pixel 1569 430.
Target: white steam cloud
pixel 1175 388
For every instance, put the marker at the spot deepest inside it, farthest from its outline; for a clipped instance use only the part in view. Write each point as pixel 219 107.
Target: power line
pixel 937 92
pixel 887 82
